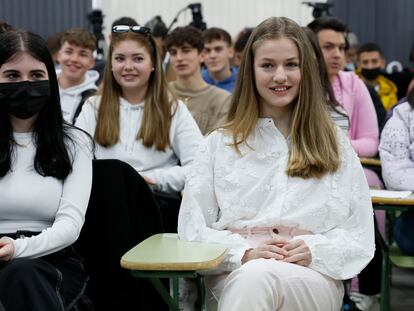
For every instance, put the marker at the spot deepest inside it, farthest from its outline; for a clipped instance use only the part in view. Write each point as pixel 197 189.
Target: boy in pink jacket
pixel 351 92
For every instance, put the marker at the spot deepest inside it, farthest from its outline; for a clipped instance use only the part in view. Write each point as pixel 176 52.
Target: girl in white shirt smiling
pixel 136 119
pixel 45 182
pixel 280 186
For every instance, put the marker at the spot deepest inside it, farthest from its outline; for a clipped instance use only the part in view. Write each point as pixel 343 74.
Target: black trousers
pixel 370 277
pixel 169 206
pixel 52 282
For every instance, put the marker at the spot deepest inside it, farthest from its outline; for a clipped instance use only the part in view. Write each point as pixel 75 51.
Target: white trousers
pixel 270 285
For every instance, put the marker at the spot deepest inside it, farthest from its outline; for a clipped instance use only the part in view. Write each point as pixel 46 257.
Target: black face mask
pixel 371 74
pixel 24 99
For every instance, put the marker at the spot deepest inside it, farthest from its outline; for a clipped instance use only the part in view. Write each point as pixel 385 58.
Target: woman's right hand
pixel 269 249
pixel 6 249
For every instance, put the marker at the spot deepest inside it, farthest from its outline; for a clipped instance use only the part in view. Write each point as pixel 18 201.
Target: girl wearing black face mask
pixel 45 182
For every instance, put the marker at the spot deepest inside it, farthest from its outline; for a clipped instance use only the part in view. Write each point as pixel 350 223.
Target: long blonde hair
pixel 157 115
pixel 314 148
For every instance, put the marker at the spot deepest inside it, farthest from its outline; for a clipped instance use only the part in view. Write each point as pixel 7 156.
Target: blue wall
pixel 389 23
pixel 45 17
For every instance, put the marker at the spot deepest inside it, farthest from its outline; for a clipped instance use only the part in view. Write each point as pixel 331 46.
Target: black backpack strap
pixel 85 94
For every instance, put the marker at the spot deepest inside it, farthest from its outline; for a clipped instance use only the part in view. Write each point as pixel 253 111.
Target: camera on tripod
pixel 319 8
pixel 96 21
pixel 197 16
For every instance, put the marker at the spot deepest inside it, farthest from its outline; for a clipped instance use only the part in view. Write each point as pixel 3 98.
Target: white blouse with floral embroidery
pixel 226 190
pixel 397 149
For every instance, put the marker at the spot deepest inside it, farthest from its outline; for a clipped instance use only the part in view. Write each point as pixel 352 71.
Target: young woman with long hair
pixel 279 185
pixel 137 120
pixel 45 182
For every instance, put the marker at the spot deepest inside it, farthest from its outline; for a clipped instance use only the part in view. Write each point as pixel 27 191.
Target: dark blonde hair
pixel 314 148
pixel 156 121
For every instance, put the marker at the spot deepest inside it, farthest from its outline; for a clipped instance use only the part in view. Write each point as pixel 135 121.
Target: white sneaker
pixel 363 302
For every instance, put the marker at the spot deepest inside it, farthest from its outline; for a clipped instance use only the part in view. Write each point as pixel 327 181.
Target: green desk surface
pixel 166 252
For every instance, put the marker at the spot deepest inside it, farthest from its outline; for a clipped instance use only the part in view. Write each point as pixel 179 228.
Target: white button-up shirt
pixel 228 190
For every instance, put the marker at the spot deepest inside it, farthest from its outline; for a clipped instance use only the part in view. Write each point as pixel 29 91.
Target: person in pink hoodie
pixel 352 94
pixel 350 91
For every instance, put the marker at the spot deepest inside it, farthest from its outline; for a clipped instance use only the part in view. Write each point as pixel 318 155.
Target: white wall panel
pixel 232 15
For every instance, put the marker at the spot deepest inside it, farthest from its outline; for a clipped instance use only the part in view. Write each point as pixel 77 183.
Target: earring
pixel 153 68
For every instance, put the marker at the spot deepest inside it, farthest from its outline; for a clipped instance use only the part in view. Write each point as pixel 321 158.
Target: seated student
pixel 351 63
pixel 370 65
pixel 100 64
pixel 45 182
pixel 349 91
pixel 397 161
pixel 218 52
pixel 352 94
pixel 76 80
pixel 372 272
pixel 137 120
pixel 208 104
pixel 280 186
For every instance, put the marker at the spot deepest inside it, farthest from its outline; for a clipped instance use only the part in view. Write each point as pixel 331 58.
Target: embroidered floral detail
pixel 397 149
pixel 228 190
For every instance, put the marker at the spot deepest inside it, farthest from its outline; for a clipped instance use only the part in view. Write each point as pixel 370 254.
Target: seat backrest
pixel 121 213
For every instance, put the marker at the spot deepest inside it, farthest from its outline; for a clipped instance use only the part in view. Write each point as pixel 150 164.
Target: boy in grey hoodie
pixel 76 80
